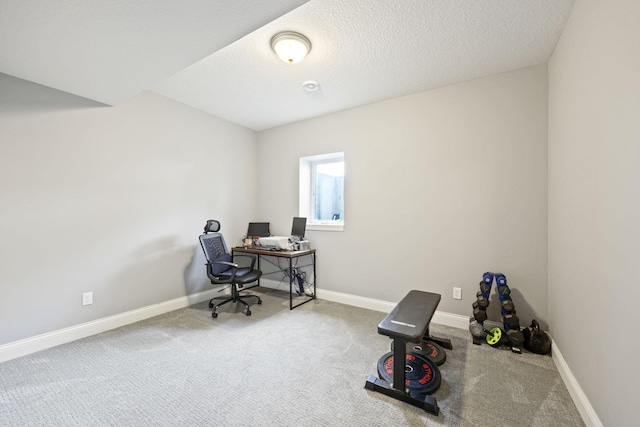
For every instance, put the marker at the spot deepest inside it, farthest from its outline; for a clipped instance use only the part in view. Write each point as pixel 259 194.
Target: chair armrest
pixel 230 264
pixel 253 259
pixel 234 268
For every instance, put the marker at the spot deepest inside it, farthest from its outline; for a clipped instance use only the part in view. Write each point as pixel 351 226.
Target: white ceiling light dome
pixel 291 47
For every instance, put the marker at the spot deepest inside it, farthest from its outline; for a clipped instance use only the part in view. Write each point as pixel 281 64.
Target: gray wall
pixel 440 187
pixel 594 203
pixel 109 200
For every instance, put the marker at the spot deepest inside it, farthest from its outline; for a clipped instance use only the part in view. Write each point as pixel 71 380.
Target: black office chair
pixel 223 271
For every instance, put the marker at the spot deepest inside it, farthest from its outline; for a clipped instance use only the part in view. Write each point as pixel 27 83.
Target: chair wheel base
pixel 235 298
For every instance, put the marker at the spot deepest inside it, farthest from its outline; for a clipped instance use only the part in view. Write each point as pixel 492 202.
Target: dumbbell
pixel 511 321
pixel 504 291
pixel 482 301
pixel 488 278
pixel 515 337
pixel 481 304
pixel 485 288
pixel 508 307
pixel 479 314
pixel 501 280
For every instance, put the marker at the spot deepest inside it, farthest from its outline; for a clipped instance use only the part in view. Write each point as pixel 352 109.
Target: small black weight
pixel 482 301
pixel 485 288
pixel 504 291
pixel 511 320
pixel 421 374
pixel 427 348
pixel 479 314
pixel 515 337
pixel 507 305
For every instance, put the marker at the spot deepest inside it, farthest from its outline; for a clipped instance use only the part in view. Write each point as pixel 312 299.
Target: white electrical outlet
pixel 457 293
pixel 87 298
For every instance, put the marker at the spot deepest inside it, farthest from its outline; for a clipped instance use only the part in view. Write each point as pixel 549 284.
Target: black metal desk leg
pixel 258 256
pixel 290 284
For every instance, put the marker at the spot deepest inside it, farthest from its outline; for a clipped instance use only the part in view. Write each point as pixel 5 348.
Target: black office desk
pixel 290 255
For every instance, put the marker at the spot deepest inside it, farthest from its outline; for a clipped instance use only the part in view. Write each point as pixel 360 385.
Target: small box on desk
pixel 303 245
pixel 279 242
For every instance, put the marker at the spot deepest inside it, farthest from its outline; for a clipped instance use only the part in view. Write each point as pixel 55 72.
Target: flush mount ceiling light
pixel 290 47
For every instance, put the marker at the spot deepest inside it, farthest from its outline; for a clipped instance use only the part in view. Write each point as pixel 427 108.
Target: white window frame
pixel 306 188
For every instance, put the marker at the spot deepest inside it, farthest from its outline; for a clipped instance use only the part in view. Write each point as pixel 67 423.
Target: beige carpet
pixel 305 367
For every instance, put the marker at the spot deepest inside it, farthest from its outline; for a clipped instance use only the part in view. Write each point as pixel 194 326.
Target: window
pixel 322 191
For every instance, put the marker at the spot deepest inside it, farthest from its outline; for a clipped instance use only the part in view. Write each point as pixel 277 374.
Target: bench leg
pixel 424 401
pixel 399 363
pixel 444 342
pixel 397 390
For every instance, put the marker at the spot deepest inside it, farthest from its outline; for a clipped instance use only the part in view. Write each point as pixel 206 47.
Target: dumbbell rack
pixel 509 319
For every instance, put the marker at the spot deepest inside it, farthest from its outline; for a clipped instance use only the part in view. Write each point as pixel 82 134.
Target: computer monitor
pixel 258 229
pixel 298 228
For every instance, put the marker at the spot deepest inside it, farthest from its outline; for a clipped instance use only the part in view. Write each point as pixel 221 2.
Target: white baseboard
pixel 356 301
pixel 51 339
pixel 30 345
pixel 440 317
pixel 589 415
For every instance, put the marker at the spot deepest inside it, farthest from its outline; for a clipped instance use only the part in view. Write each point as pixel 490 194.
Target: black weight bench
pixel 408 322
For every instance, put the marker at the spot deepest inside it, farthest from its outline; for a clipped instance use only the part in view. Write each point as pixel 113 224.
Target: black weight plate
pixel 477 330
pixel 437 353
pixel 421 374
pixel 431 350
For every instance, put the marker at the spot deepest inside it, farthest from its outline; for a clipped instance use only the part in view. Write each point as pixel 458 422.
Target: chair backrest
pixel 215 249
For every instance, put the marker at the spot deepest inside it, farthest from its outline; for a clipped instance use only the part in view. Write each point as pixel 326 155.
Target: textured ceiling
pixel 111 50
pixel 363 51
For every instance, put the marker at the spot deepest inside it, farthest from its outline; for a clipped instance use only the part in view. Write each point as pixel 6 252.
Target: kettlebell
pixel 535 339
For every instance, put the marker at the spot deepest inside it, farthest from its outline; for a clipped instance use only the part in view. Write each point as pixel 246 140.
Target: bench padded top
pixel 409 320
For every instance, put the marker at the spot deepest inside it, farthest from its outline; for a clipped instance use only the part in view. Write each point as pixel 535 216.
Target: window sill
pixel 325 227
